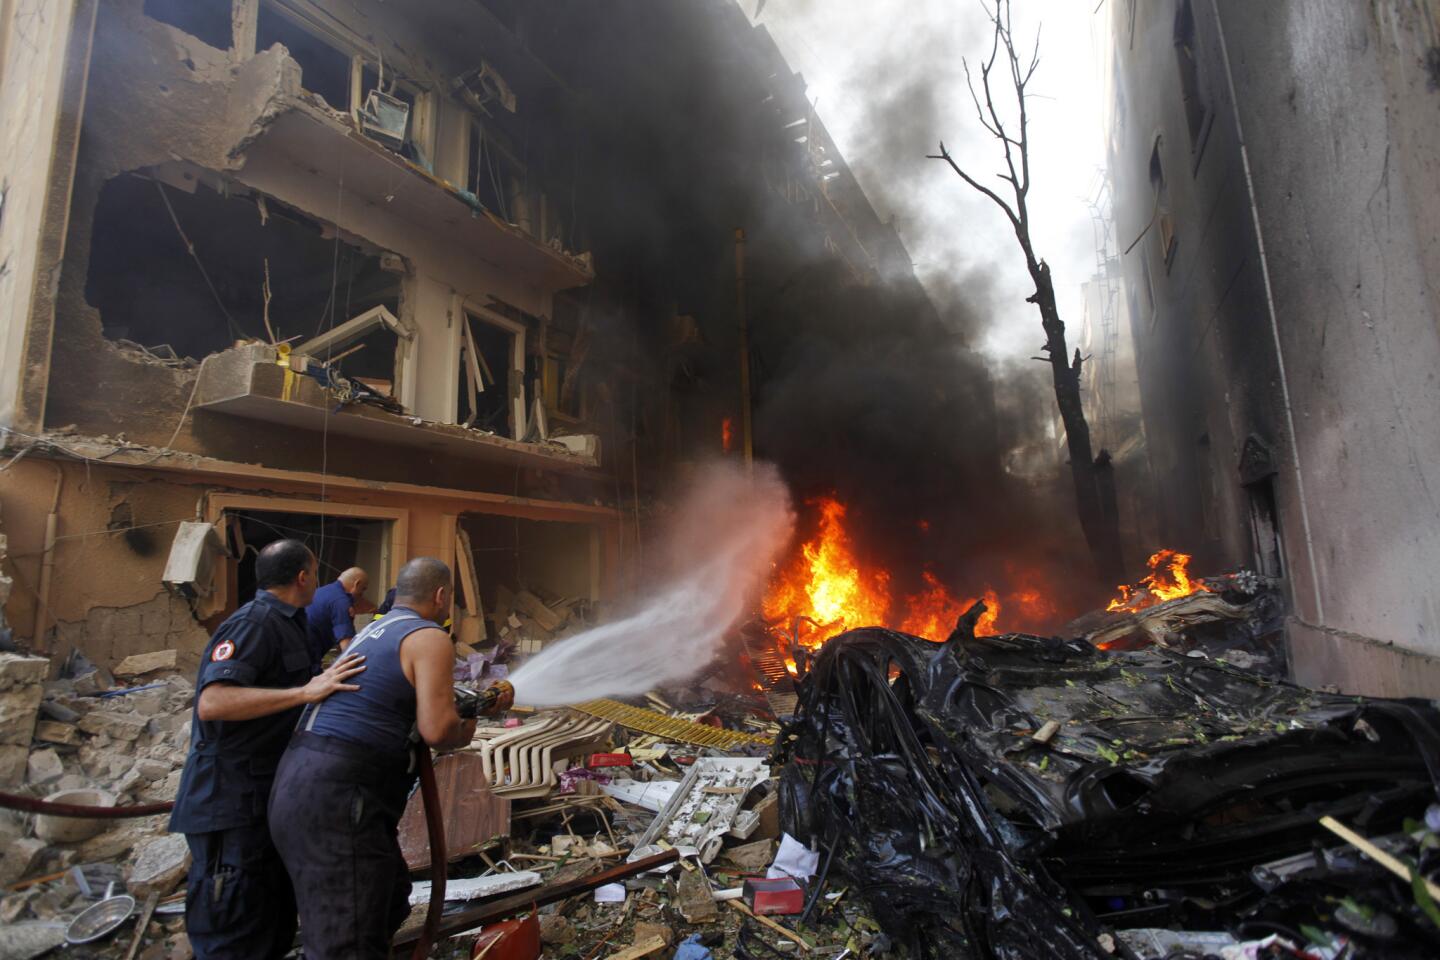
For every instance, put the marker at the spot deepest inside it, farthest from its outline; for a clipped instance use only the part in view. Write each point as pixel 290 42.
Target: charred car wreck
pixel 1015 796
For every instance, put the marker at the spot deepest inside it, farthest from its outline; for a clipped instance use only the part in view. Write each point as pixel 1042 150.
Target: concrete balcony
pixel 304 149
pixel 248 382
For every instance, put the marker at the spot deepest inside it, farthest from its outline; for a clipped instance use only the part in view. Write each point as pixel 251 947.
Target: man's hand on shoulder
pixel 332 679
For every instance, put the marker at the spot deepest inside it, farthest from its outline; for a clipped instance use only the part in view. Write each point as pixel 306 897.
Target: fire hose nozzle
pixel 496 698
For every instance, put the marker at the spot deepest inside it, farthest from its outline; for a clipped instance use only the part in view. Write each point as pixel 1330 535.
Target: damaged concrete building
pixel 384 280
pixel 1276 213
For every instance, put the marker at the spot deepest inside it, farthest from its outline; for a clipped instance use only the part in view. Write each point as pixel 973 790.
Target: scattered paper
pixel 610 893
pixel 794 860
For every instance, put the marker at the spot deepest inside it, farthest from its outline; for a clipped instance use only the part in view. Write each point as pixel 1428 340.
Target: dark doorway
pixel 338 543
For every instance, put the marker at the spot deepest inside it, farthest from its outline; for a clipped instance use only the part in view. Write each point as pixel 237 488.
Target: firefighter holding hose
pixel 344 780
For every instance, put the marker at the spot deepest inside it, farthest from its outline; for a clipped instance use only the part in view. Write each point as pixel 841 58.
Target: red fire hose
pixel 493 700
pixel 14 801
pixel 429 794
pixel 435 828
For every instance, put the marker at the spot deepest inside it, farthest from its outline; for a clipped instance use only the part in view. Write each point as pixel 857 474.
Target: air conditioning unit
pixel 385 118
pixel 190 568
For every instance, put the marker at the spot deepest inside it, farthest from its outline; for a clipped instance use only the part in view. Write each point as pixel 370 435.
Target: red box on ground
pixel 782 896
pixel 610 760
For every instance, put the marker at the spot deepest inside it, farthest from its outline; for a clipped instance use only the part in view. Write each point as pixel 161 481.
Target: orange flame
pixel 727 433
pixel 1169 579
pixel 826 583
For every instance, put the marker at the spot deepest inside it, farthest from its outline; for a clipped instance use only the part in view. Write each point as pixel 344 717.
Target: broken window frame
pixel 420 131
pixel 338 339
pixel 552 377
pixel 540 218
pixel 467 310
pixel 1164 219
pixel 1198 115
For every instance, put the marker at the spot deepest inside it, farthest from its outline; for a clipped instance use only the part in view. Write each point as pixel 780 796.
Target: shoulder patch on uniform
pixel 224 650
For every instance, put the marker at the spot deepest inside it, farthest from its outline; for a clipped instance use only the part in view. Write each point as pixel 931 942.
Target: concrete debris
pixel 33 938
pixel 113 724
pixel 159 865
pixel 22 671
pixel 53 731
pixel 20 859
pixel 84 739
pixel 142 663
pixel 21 690
pixel 44 767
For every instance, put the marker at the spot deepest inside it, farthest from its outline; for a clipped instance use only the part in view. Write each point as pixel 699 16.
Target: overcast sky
pixel 887 81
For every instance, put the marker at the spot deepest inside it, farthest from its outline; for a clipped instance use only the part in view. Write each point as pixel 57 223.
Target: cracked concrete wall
pixel 33 41
pixel 113 539
pixel 160 97
pixel 1338 103
pixel 115 531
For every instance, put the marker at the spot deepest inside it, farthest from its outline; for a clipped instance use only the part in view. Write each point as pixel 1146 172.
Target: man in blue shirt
pixel 331 615
pixel 343 783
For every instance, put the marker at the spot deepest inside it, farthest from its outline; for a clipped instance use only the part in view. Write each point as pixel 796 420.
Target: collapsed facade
pixel 386 280
pixel 1275 211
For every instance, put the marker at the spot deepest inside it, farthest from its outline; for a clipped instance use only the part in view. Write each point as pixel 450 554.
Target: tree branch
pixel 945 155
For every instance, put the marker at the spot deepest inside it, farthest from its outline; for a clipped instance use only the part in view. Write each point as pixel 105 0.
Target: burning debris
pixel 825 589
pixel 1169 579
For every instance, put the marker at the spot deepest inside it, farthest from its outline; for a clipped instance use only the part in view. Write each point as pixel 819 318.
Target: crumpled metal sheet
pixel 1169 778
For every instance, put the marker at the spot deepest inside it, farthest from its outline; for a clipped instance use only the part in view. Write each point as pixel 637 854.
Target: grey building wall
pixel 1287 338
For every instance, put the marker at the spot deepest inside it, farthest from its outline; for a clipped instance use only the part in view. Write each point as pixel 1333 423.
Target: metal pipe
pixel 500 909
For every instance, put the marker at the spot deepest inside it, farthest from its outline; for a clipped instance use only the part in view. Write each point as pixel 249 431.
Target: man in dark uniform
pixel 344 780
pixel 254 679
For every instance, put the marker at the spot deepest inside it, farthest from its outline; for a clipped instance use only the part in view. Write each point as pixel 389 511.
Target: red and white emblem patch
pixel 224 650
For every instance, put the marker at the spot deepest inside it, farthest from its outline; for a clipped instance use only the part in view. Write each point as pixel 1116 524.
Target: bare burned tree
pixel 1093 477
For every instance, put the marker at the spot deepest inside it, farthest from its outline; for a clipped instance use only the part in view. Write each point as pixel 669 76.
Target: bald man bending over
pixel 342 784
pixel 330 616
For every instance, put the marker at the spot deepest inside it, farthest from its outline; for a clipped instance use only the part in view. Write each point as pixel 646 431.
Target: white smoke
pixel 718 550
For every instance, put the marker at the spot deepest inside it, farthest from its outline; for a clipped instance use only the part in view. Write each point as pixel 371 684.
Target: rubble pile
pixel 1016 796
pixel 1146 789
pixel 90 740
pixel 628 796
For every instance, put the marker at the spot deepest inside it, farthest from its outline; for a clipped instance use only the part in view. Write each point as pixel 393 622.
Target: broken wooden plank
pixel 465 563
pixel 1391 863
pixel 785 932
pixel 535 608
pixel 473 359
